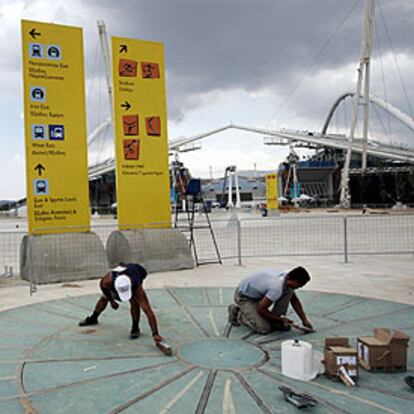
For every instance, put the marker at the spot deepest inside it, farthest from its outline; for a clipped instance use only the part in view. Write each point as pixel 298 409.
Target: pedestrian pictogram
pixel 153 124
pixel 39 168
pixel 36 50
pixel 53 52
pixel 41 187
pixel 56 132
pixel 39 132
pixel 37 94
pixel 127 67
pixel 130 124
pixel 150 70
pixel 131 149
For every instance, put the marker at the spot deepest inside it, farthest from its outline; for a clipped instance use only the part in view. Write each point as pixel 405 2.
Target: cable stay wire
pixel 394 55
pixel 315 59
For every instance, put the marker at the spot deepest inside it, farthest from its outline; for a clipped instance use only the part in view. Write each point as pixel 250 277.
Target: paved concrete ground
pixel 388 277
pixel 49 365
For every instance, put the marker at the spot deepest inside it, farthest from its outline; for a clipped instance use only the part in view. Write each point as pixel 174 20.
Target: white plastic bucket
pixel 299 361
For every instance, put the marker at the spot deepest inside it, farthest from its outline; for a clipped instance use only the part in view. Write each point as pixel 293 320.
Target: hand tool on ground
pixel 298 400
pixel 165 348
pixel 344 377
pixel 303 329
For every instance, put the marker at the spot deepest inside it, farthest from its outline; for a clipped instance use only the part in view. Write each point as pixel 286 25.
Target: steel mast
pixel 363 73
pixel 106 55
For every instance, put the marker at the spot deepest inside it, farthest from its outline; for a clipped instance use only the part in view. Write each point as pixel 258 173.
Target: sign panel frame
pixel 55 128
pixel 272 191
pixel 140 130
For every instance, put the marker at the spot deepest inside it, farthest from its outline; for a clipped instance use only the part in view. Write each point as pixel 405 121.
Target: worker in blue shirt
pixel 262 300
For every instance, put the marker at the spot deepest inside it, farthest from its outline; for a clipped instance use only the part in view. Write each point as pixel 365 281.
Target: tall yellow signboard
pixel 272 201
pixel 141 141
pixel 55 128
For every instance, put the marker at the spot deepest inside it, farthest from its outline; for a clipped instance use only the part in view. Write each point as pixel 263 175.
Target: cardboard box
pixel 339 353
pixel 385 351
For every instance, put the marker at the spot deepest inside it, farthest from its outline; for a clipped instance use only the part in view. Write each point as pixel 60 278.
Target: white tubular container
pixel 297 360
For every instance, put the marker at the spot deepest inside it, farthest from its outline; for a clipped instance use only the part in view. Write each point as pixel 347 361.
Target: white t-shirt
pixel 267 282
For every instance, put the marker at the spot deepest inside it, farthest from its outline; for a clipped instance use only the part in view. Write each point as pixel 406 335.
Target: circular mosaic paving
pixel 221 353
pixel 50 365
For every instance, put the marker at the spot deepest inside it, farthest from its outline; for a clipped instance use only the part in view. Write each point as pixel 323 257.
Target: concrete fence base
pixel 50 258
pixel 156 249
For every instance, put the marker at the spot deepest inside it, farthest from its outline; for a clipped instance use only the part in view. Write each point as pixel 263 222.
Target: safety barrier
pixel 283 235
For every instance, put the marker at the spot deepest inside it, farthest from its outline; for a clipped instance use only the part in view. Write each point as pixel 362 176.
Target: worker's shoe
pixel 135 333
pixel 89 321
pixel 233 313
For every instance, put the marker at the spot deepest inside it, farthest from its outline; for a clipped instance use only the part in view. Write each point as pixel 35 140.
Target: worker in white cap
pixel 125 283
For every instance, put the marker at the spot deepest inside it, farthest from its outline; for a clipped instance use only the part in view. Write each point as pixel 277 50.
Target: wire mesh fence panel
pixel 289 236
pixel 84 254
pixel 225 234
pixel 104 230
pixel 9 248
pixel 376 234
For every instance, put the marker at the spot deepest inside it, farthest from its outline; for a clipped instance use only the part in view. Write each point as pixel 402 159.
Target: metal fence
pixel 285 235
pixel 10 252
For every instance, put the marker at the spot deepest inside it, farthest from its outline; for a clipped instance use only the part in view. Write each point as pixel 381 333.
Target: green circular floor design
pixel 50 365
pixel 221 353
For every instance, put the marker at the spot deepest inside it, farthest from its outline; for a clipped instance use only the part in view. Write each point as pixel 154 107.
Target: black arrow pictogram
pixel 126 105
pixel 39 168
pixel 33 33
pixel 123 49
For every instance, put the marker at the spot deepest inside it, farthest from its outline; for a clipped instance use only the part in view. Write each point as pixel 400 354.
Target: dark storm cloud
pixel 224 44
pixel 253 45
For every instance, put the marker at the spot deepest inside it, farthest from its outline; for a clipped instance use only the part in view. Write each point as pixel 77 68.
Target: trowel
pixel 302 328
pixel 164 348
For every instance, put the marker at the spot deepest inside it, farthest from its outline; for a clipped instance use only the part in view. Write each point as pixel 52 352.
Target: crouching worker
pixel 125 283
pixel 262 300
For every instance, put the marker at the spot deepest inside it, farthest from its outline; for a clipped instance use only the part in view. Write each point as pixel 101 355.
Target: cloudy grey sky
pixel 269 63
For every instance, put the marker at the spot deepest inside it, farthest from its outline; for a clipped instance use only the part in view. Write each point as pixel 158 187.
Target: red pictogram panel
pixel 130 124
pixel 127 67
pixel 153 124
pixel 150 70
pixel 131 149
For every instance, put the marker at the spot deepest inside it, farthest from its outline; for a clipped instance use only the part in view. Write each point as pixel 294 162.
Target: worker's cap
pixel 123 287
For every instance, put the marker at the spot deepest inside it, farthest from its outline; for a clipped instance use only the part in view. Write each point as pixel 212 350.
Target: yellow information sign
pixel 141 140
pixel 55 128
pixel 272 192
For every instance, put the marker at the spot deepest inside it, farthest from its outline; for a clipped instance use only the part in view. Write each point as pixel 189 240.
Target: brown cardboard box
pixel 385 351
pixel 338 352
